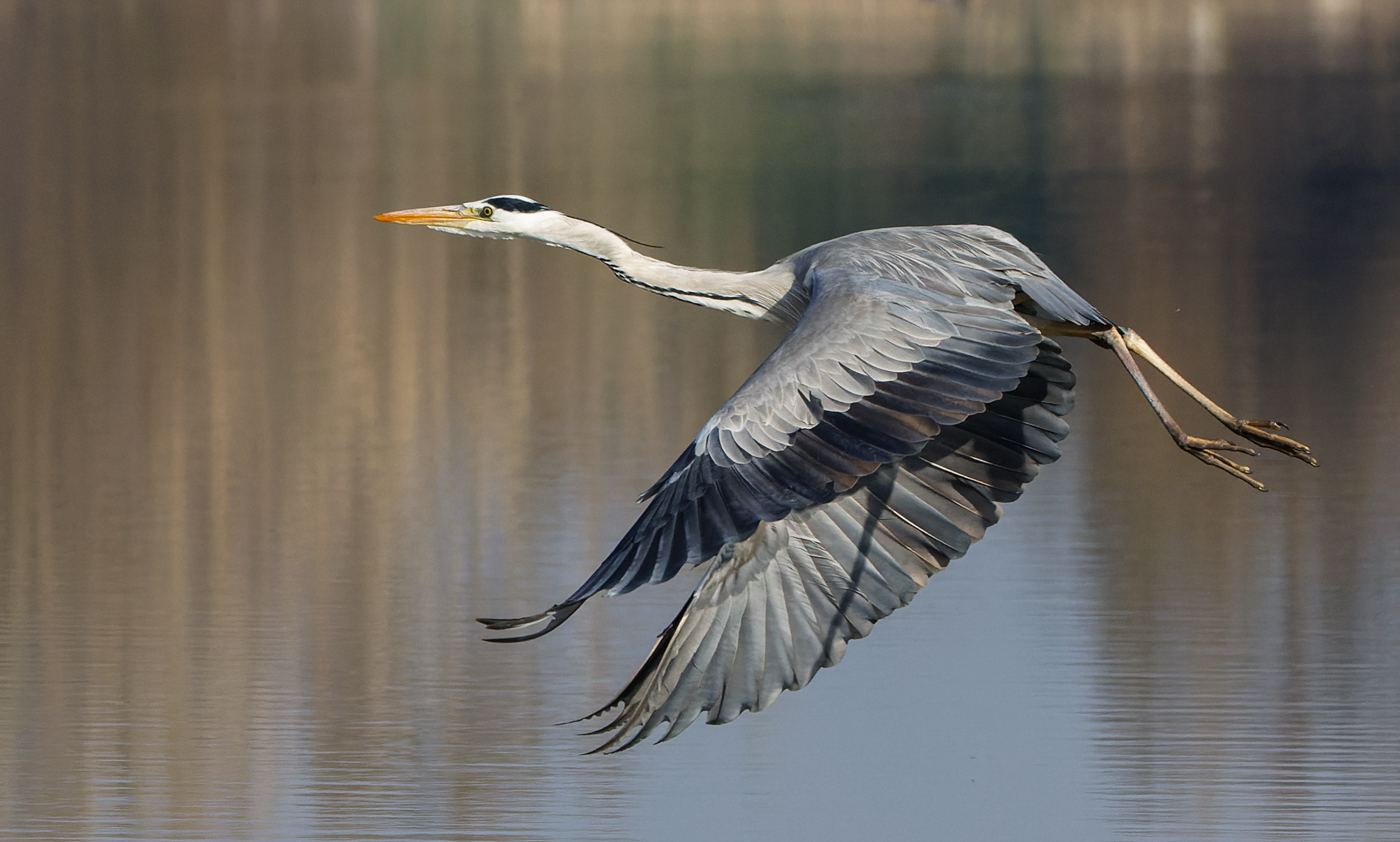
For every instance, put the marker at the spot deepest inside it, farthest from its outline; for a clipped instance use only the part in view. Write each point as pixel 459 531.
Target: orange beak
pixel 429 216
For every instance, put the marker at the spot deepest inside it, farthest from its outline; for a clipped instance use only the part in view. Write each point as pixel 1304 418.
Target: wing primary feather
pixel 556 616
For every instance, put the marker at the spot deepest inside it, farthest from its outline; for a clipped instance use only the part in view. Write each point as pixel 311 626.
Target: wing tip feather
pixel 556 615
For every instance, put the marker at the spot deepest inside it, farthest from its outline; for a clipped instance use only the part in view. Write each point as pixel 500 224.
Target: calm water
pixel 262 458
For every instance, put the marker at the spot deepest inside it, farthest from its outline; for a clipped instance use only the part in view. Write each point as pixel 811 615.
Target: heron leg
pixel 1206 450
pixel 1262 433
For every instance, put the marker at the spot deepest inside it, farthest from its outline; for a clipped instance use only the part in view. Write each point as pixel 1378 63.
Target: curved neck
pixel 768 294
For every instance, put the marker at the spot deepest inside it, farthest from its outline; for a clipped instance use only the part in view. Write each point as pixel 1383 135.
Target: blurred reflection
pixel 261 459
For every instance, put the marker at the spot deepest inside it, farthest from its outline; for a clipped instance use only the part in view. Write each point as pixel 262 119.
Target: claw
pixel 1259 433
pixel 1205 450
pixel 1193 443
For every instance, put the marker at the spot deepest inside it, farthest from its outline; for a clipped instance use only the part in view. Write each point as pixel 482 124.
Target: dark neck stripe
pixel 670 291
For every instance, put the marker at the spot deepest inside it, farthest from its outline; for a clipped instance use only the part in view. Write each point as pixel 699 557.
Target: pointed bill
pixel 431 216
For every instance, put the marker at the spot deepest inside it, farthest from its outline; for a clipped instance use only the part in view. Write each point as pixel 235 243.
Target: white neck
pixel 755 295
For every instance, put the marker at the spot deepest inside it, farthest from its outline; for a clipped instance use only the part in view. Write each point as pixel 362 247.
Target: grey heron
pixel 920 387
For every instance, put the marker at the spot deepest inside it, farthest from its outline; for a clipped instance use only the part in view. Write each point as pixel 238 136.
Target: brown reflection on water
pixel 1242 665
pixel 261 458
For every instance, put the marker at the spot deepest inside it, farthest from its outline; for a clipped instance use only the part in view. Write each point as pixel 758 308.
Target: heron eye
pixel 487 211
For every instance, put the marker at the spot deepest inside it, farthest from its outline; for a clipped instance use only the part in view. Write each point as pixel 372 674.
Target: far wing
pixel 872 371
pixel 776 608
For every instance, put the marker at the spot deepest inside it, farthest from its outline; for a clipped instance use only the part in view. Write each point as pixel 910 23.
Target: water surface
pixel 262 459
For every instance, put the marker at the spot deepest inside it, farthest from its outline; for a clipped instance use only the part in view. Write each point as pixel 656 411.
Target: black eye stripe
pixel 516 204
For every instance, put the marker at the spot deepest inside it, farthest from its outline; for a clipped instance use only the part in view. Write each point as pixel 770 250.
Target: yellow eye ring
pixel 487 211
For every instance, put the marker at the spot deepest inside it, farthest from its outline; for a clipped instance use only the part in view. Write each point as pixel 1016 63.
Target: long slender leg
pixel 1259 432
pixel 1203 449
pixel 1125 342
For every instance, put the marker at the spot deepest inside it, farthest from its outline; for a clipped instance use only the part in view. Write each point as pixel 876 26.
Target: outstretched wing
pixel 777 607
pixel 885 356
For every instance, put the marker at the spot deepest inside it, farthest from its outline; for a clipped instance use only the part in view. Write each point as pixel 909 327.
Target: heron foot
pixel 1206 450
pixel 1262 433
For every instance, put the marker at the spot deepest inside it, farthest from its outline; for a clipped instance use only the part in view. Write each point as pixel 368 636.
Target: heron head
pixel 497 218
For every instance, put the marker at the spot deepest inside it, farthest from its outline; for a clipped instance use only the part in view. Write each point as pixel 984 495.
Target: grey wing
pixel 873 370
pixel 1004 255
pixel 779 606
pixel 973 261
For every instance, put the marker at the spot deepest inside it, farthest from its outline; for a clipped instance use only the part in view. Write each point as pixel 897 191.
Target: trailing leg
pixel 1262 433
pixel 1206 450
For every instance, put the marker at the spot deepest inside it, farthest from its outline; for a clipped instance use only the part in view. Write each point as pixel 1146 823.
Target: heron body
pixel 919 389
